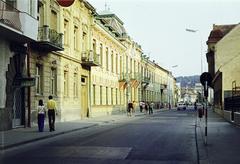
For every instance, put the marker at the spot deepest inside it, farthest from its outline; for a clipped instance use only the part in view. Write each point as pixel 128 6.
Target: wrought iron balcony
pixel 146 80
pixel 124 77
pixel 90 58
pixel 9 16
pixel 135 76
pixel 49 39
pixel 163 86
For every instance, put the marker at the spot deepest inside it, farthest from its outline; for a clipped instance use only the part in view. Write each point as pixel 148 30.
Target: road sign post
pixel 206 80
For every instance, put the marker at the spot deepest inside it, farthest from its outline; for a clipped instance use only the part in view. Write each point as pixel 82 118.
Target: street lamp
pixel 195 31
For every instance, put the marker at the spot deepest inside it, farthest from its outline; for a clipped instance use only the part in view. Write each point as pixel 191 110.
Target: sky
pixel 159 26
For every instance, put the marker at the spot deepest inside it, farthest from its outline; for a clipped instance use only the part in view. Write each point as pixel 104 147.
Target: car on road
pixel 181 106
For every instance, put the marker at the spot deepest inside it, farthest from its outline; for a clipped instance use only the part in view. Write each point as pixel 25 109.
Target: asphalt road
pixel 165 137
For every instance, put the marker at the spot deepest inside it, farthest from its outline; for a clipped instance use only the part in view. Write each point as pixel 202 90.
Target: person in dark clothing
pixel 41 115
pixel 130 109
pixel 146 107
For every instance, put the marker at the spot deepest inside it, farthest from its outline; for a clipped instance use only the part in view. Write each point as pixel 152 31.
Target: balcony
pixel 48 40
pixel 9 16
pixel 145 82
pixel 90 59
pixel 123 80
pixel 16 25
pixel 123 77
pixel 135 78
pixel 163 86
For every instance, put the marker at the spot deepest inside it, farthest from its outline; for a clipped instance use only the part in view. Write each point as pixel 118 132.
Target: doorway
pixel 84 97
pixel 18 108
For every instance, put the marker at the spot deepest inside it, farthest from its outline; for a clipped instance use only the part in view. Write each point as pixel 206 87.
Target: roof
pixel 219 31
pixel 113 22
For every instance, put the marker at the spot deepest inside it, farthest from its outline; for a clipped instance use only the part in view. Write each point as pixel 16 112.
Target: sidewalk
pixel 223 141
pixel 16 137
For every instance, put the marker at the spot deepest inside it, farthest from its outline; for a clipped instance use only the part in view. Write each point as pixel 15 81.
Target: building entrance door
pixel 17 108
pixel 84 98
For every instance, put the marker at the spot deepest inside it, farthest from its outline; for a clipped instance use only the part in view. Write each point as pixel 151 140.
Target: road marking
pixel 99 152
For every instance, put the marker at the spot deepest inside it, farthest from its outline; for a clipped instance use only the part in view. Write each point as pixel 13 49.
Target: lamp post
pixel 195 31
pixel 173 90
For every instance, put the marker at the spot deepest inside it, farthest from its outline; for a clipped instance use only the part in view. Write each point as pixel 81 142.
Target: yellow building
pixel 106 96
pixel 88 63
pixel 60 60
pixel 116 81
pixel 222 57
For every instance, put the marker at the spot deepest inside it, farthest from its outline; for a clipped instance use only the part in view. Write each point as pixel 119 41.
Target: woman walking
pixel 41 115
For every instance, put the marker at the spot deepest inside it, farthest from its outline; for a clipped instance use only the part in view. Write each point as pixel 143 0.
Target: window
pixel 40 16
pixel 112 96
pixel 101 54
pixel 94 94
pixel 75 38
pixel 127 68
pixel 66 31
pixel 112 62
pixel 10 4
pixel 106 95
pixel 39 79
pixel 107 59
pixel 31 8
pixel 121 66
pixel 94 47
pixel 134 66
pixel 120 97
pixel 53 82
pixel 53 22
pixel 84 42
pixel 116 96
pixel 116 63
pixel 75 85
pixel 65 83
pixel 100 95
pixel 131 65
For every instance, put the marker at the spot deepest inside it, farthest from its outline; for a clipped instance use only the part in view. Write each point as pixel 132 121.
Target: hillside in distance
pixel 188 80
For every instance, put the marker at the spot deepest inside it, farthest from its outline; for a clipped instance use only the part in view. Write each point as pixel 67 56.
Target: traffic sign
pixel 206 77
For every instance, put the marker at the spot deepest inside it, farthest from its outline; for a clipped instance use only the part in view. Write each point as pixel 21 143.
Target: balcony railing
pixel 9 16
pixel 50 39
pixel 124 77
pixel 146 80
pixel 135 76
pixel 90 58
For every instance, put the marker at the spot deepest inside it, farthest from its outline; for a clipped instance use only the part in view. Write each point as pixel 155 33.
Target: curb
pixel 45 137
pixel 202 148
pixel 3 147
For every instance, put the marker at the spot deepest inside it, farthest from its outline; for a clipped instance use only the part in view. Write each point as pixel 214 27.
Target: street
pixel 165 137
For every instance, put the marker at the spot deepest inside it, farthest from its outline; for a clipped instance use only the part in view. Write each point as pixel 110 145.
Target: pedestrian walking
pixel 130 108
pixel 146 107
pixel 151 108
pixel 51 105
pixel 141 106
pixel 134 106
pixel 41 115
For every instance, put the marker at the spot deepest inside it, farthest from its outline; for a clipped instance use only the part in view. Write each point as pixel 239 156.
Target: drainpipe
pixel 90 95
pixel 29 88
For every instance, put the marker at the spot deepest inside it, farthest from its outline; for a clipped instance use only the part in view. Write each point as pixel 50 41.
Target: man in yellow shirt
pixel 51 106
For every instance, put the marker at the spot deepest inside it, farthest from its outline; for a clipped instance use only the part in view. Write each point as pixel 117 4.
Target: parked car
pixel 181 106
